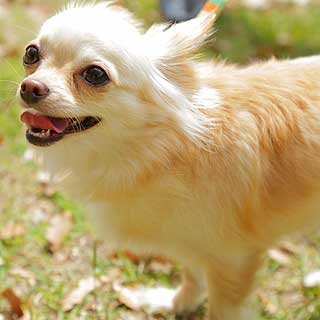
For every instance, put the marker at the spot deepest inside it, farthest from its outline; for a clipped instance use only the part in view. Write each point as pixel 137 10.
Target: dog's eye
pixel 95 76
pixel 31 56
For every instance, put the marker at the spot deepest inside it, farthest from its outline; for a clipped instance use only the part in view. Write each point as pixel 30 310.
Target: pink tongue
pixel 41 122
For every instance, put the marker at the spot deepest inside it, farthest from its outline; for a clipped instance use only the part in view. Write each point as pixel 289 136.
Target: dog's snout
pixel 32 91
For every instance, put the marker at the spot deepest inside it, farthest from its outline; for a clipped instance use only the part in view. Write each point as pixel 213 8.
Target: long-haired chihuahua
pixel 206 163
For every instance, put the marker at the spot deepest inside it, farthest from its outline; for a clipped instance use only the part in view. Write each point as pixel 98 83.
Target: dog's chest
pixel 165 220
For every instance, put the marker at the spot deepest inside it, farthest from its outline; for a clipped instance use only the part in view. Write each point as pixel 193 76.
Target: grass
pixel 242 35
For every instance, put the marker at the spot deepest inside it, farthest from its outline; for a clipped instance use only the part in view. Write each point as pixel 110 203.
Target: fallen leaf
pixel 76 296
pixel 58 229
pixel 162 267
pixel 153 300
pixel 24 274
pixel 11 231
pixel 279 256
pixel 15 303
pixel 290 248
pixel 127 254
pixel 312 279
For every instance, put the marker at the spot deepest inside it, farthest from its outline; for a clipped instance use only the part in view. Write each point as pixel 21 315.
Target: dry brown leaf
pixel 11 231
pixel 24 274
pixel 76 296
pixel 59 228
pixel 290 248
pixel 15 303
pixel 127 254
pixel 280 257
pixel 152 300
pixel 127 301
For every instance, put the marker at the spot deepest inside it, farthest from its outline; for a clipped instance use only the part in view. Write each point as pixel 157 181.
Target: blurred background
pixel 51 267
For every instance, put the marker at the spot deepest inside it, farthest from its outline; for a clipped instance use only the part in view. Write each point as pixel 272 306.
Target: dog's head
pixel 92 67
pixel 95 78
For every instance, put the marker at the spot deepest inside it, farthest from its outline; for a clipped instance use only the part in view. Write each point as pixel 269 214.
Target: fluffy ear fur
pixel 171 49
pixel 110 5
pixel 180 40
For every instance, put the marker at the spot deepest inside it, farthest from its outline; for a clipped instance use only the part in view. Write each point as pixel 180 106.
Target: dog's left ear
pixel 171 49
pixel 170 44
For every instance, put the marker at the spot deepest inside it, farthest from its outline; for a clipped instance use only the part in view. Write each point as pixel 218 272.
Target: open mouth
pixel 43 131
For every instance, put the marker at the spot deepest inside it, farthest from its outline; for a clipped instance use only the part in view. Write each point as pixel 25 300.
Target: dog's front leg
pixel 230 282
pixel 191 293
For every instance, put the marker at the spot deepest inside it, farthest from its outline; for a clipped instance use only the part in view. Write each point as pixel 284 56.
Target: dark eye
pixel 31 56
pixel 95 76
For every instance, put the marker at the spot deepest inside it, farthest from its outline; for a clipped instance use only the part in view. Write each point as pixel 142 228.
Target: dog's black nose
pixel 32 91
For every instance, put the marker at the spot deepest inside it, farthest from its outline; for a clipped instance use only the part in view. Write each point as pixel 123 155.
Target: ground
pixel 51 266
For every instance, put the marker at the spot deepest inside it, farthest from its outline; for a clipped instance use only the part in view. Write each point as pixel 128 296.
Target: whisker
pixel 33 33
pixel 13 68
pixel 6 104
pixel 10 93
pixel 10 81
pixel 78 123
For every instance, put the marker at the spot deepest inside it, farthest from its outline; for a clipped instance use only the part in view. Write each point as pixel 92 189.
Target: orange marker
pixel 213 5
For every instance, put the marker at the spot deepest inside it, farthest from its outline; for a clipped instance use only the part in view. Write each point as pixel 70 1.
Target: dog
pixel 201 161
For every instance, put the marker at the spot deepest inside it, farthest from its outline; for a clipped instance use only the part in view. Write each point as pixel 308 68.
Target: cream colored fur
pixel 207 163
